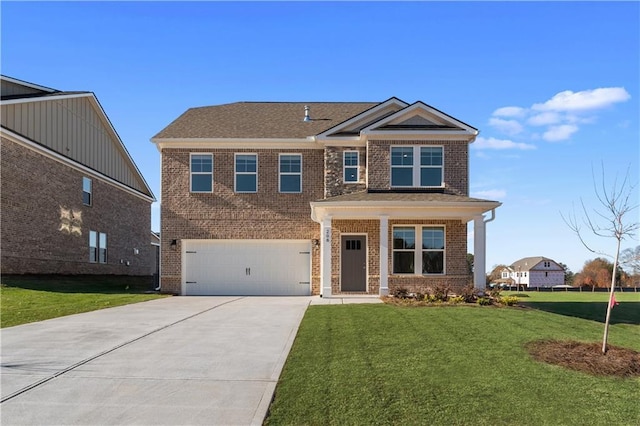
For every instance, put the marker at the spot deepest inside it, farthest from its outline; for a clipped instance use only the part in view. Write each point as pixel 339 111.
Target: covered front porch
pixel 372 243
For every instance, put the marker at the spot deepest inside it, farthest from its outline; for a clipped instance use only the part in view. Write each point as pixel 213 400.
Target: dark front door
pixel 354 263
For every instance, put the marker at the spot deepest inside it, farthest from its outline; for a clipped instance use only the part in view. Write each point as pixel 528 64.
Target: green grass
pixel 25 299
pixel 586 305
pixel 387 365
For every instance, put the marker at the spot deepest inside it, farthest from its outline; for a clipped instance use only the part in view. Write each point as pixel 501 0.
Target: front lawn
pixel 25 299
pixel 382 364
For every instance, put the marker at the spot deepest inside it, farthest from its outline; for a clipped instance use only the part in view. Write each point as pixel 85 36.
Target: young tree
pixel 609 221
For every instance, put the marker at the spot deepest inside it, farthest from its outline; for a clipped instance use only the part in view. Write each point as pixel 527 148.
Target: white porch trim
pixel 384 255
pixel 325 257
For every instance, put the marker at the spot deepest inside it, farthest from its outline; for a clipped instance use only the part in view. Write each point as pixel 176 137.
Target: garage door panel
pixel 247 267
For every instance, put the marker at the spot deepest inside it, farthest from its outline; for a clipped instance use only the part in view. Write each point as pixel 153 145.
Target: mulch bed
pixel 587 357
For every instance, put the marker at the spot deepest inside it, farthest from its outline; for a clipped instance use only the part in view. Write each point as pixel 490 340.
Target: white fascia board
pixel 27 84
pixel 72 163
pixel 352 141
pixel 407 210
pixel 372 111
pixel 419 135
pixel 46 98
pixel 267 143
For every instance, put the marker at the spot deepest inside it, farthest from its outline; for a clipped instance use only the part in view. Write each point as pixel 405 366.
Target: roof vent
pixel 306 113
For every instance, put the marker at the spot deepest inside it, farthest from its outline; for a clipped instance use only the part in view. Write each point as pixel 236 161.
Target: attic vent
pixel 306 113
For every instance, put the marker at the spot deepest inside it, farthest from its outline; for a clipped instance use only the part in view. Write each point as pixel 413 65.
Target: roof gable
pixel 530 263
pixel 76 127
pixel 420 117
pixel 12 87
pixel 354 125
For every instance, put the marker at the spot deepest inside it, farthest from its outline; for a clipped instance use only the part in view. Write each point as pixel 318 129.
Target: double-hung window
pixel 97 247
pixel 417 166
pixel 87 191
pixel 201 173
pixel 246 173
pixel 290 173
pixel 418 250
pixel 350 166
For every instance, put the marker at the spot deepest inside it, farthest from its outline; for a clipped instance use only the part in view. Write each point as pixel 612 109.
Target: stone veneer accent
pixel 334 171
pixel 45 226
pixel 456 163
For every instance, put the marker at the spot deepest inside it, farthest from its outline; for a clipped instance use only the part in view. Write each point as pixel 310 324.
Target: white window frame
pixel 417 257
pixel 345 166
pixel 192 173
pixel 97 247
pixel 89 181
pixel 416 166
pixel 281 173
pixel 236 173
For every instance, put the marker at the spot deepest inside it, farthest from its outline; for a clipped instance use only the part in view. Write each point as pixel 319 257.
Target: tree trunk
pixel 609 307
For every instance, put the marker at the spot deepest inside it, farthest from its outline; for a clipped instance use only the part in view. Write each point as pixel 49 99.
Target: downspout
pixel 493 216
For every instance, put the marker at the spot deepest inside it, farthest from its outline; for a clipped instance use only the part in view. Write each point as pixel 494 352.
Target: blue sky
pixel 554 87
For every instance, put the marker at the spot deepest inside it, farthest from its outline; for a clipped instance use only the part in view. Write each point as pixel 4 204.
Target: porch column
pixel 479 253
pixel 325 257
pixel 384 255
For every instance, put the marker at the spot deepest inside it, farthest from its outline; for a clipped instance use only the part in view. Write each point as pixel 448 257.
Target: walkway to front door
pixel 354 263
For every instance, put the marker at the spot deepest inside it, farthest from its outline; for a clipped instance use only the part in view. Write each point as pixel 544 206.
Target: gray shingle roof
pixel 261 120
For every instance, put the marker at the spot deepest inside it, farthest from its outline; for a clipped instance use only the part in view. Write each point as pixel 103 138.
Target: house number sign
pixel 327 235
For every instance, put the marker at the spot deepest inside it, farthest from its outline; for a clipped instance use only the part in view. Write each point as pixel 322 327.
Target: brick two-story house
pixel 317 198
pixel 73 201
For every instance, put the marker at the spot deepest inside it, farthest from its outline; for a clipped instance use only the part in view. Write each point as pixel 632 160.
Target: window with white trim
pixel 97 247
pixel 290 173
pixel 87 191
pixel 417 166
pixel 201 173
pixel 350 165
pixel 246 172
pixel 418 250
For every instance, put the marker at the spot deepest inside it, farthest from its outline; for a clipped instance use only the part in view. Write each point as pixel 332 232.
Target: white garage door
pixel 246 267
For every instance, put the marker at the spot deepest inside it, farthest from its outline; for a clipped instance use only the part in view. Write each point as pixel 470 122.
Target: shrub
pixel 401 293
pixel 454 300
pixel 440 293
pixel 509 300
pixel 469 294
pixel 484 301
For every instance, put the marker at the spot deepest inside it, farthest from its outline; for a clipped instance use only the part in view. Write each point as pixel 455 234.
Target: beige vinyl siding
pixel 73 128
pixel 13 89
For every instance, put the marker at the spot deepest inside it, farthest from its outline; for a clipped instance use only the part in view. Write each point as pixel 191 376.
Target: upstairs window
pixel 417 166
pixel 290 173
pixel 87 193
pixel 246 173
pixel 201 173
pixel 350 166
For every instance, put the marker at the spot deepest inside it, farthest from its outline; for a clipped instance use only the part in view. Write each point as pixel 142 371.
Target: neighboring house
pixel 317 198
pixel 534 272
pixel 73 201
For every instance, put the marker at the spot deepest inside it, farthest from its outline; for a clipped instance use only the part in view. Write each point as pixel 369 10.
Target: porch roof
pixel 416 205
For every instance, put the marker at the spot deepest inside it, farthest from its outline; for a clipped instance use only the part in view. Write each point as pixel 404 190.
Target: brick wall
pixel 224 214
pixel 456 164
pixel 45 226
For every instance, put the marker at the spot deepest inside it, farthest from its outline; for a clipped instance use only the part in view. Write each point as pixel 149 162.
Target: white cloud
pixel 493 194
pixel 510 111
pixel 559 133
pixel 585 100
pixel 493 143
pixel 510 127
pixel 544 119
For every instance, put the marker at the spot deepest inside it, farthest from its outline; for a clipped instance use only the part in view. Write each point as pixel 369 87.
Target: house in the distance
pixel 534 272
pixel 73 201
pixel 325 198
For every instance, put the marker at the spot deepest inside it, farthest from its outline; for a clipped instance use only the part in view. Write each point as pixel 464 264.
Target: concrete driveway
pixel 173 361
